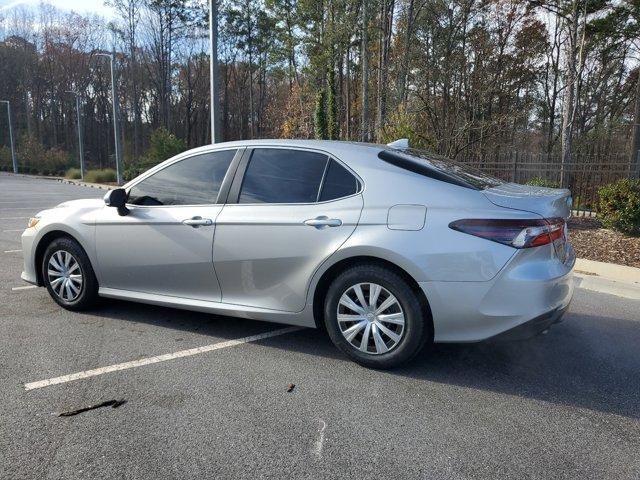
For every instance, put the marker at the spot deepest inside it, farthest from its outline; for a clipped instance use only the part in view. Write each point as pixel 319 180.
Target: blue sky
pixel 80 6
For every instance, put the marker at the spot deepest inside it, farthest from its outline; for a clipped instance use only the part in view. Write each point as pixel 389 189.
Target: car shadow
pixel 586 361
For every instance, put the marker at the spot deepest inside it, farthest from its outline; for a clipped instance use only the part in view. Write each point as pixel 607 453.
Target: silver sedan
pixel 388 247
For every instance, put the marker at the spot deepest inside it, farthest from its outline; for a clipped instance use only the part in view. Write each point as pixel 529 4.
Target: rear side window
pixel 192 181
pixel 277 175
pixel 338 182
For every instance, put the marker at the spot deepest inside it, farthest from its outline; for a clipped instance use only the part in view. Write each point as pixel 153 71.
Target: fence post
pixel 515 166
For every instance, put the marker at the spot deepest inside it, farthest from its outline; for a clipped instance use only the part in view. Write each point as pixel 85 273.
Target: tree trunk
pixel 364 133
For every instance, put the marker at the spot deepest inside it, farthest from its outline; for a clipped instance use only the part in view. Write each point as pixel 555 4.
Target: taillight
pixel 515 233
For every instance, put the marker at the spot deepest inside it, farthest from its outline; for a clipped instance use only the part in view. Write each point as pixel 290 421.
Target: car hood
pixel 547 202
pixel 82 203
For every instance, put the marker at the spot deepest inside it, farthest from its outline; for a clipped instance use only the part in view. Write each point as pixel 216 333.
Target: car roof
pixel 334 147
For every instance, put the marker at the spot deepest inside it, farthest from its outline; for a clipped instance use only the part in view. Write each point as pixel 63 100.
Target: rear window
pixel 440 168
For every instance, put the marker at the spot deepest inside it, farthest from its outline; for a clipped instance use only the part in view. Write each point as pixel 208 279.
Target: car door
pixel 287 212
pixel 164 245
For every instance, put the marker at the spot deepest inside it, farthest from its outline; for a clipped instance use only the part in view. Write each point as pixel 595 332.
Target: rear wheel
pixel 374 316
pixel 68 275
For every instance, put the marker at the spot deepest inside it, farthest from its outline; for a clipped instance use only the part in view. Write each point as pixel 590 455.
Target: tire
pixel 400 342
pixel 70 266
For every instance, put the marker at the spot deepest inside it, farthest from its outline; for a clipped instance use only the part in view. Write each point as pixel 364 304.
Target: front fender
pixel 81 231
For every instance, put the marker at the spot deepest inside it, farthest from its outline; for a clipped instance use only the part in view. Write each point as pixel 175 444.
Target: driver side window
pixel 193 181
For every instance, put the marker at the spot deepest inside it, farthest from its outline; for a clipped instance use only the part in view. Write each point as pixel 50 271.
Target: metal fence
pixel 585 173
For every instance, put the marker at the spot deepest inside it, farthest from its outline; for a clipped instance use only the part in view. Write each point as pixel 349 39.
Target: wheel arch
pixel 41 248
pixel 338 267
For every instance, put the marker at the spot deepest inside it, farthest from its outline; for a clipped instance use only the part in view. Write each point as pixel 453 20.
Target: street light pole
pixel 214 70
pixel 13 149
pixel 80 147
pixel 115 117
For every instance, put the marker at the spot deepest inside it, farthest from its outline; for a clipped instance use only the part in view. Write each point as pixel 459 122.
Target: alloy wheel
pixel 370 318
pixel 65 275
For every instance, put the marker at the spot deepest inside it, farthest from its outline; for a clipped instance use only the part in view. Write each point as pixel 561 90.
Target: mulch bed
pixel 593 242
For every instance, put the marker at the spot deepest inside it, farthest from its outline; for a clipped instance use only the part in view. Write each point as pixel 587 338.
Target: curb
pixel 618 280
pixel 79 183
pixel 608 271
pixel 605 285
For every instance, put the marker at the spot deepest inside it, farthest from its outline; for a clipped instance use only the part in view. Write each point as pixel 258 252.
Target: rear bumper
pixel 533 327
pixel 530 293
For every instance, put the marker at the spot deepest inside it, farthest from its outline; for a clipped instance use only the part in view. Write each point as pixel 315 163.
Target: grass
pixel 72 174
pixel 107 175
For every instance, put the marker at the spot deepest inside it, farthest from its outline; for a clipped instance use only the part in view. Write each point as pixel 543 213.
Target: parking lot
pixel 200 405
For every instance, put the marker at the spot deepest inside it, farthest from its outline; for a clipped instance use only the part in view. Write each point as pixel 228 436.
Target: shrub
pixel 73 173
pixel 543 182
pixel 56 161
pixel 619 206
pixel 133 169
pixel 6 163
pixel 100 176
pixel 162 146
pixel 30 154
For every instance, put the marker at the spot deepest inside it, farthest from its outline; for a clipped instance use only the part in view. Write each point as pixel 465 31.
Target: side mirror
pixel 117 198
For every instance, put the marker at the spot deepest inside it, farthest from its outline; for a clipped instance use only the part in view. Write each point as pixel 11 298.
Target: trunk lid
pixel 547 202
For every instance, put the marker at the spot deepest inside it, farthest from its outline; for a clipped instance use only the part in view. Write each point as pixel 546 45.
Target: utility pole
pixel 116 129
pixel 13 149
pixel 214 71
pixel 78 120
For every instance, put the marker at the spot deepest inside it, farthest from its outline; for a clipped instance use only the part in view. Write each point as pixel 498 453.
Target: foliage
pixel 465 79
pixel 619 206
pixel 73 174
pixel 56 162
pixel 333 125
pixel 403 124
pixel 543 182
pixel 107 175
pixel 33 158
pixel 320 115
pixel 6 163
pixel 162 146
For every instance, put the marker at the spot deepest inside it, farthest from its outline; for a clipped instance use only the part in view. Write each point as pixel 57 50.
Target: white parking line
pixel 16 230
pixel 12 251
pixel 14 218
pixel 157 359
pixel 26 287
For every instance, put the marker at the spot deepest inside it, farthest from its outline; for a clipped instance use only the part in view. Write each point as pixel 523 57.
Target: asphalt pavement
pixel 561 405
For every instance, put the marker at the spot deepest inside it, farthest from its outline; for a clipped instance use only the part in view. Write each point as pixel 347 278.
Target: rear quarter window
pixel 338 183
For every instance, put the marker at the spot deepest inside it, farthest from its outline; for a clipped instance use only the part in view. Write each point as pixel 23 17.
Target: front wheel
pixel 68 275
pixel 374 317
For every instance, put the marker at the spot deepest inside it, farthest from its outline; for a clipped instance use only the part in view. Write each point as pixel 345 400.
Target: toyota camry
pixel 387 247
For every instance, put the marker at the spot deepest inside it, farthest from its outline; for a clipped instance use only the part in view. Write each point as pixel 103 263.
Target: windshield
pixel 430 164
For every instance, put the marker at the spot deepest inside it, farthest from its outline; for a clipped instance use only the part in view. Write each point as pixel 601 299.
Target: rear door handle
pixel 196 222
pixel 323 221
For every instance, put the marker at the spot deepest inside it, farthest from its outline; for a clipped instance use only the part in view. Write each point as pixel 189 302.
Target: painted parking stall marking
pixel 157 359
pixel 26 287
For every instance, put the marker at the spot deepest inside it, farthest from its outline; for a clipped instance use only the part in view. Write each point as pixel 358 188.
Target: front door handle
pixel 322 222
pixel 196 222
